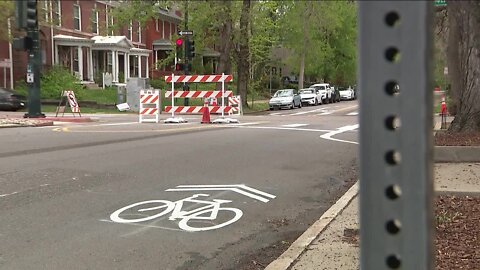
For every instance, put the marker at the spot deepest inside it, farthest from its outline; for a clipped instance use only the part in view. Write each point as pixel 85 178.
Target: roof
pixel 112 42
pixel 140 51
pixel 71 39
pixel 207 52
pixel 162 42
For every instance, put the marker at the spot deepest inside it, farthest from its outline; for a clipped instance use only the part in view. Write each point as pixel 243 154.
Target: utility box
pixel 121 94
pixel 134 85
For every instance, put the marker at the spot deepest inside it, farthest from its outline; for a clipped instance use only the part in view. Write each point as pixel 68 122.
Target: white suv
pixel 325 90
pixel 310 96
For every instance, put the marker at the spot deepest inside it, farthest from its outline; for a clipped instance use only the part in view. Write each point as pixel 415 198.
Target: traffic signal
pixel 31 14
pixel 190 44
pixel 179 46
pixel 26 14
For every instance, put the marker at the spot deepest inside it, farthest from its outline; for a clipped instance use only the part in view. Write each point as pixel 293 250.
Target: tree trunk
pixel 225 42
pixel 301 76
pixel 243 64
pixel 464 63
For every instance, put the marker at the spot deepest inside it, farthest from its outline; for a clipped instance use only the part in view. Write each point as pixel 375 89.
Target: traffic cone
pixel 206 115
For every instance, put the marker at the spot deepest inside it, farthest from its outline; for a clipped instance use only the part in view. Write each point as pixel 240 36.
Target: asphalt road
pixel 267 179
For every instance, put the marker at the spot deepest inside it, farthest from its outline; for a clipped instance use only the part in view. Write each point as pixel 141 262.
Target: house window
pixel 77 20
pixel 109 62
pixel 139 33
pixel 75 59
pixel 163 29
pixel 130 31
pixel 45 10
pixel 57 13
pixel 95 21
pixel 134 66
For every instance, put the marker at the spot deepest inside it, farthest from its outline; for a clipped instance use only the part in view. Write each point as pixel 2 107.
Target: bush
pixel 53 82
pixel 158 83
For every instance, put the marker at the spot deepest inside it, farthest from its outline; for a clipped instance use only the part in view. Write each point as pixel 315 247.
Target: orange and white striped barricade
pixel 236 104
pixel 69 95
pixel 197 94
pixel 149 106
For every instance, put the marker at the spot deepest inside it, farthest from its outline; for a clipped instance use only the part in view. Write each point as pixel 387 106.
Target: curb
pixel 299 246
pixel 456 154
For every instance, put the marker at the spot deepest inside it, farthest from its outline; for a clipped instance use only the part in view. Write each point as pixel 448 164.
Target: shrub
pixel 53 82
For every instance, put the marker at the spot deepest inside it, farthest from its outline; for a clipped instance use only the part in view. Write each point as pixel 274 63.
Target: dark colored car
pixel 335 94
pixel 11 101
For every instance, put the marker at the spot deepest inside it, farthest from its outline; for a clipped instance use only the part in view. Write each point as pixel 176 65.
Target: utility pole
pixel 27 19
pixel 186 62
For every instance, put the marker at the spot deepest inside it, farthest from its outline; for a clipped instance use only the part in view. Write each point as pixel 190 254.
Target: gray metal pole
pixel 395 75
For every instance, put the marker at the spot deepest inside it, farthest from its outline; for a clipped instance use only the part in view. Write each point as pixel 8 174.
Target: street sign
pixel 445 71
pixel 440 3
pixel 185 33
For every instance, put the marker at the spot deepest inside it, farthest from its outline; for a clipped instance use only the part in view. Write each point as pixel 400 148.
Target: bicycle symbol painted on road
pixel 207 214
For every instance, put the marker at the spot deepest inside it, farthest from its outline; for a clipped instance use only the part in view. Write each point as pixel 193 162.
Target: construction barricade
pixel 149 106
pixel 68 98
pixel 236 103
pixel 206 95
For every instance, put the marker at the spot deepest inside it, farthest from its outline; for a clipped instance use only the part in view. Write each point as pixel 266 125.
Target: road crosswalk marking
pixel 352 113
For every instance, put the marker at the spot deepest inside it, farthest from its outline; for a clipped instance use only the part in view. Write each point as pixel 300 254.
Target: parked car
pixel 310 96
pixel 11 101
pixel 285 98
pixel 347 93
pixel 325 90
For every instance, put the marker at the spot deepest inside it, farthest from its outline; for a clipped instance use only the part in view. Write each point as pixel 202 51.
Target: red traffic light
pixel 179 42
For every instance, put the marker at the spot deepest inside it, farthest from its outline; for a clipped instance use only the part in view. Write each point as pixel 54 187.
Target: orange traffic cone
pixel 206 115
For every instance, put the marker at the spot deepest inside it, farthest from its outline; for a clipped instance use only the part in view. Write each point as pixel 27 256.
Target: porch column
pixel 147 68
pixel 125 74
pixel 128 67
pixel 117 69
pixel 114 65
pixel 139 66
pixel 80 62
pixel 57 60
pixel 90 66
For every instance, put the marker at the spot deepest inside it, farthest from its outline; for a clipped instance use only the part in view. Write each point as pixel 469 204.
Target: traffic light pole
pixel 33 76
pixel 186 62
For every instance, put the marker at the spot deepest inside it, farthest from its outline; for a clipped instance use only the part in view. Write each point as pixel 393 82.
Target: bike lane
pixel 73 211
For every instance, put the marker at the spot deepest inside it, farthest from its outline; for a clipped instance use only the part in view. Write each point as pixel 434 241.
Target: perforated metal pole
pixel 395 52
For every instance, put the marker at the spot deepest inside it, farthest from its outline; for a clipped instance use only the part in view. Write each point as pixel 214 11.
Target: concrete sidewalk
pixel 333 241
pixel 336 246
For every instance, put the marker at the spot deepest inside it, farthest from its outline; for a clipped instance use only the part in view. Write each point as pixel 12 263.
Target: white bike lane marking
pixel 328 136
pixel 206 212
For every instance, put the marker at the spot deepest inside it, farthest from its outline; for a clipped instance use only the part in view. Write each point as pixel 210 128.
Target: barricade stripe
pixel 155 98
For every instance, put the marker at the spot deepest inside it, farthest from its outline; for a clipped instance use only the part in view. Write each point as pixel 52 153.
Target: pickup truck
pixel 325 90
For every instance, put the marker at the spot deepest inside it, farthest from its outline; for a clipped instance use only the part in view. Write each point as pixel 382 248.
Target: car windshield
pixel 306 91
pixel 283 93
pixel 322 87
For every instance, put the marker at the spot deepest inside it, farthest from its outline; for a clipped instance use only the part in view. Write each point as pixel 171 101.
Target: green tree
pixel 6 12
pixel 464 64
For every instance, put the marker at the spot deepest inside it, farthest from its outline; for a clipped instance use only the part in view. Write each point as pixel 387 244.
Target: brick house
pixel 79 39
